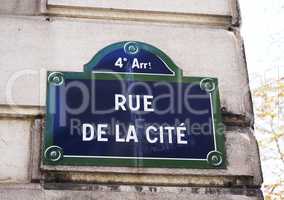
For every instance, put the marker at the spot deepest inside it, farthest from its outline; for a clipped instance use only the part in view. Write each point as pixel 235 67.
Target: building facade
pixel 201 37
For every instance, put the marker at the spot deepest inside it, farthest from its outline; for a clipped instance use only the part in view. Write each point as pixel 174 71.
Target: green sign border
pixel 54 155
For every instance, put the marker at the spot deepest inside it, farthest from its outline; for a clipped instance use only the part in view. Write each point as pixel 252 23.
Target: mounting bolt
pixel 131 48
pixel 215 158
pixel 53 153
pixel 208 85
pixel 56 78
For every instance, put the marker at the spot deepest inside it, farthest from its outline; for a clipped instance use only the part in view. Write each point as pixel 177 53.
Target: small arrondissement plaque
pixel 132 107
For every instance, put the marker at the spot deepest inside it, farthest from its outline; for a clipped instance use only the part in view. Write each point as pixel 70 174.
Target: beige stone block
pixel 221 7
pixel 32 45
pixel 124 192
pixel 19 7
pixel 243 169
pixel 14 150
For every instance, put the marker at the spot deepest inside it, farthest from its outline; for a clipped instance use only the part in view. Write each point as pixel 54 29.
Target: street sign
pixel 133 107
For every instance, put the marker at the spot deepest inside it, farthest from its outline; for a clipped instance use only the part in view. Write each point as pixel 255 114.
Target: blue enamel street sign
pixel 133 107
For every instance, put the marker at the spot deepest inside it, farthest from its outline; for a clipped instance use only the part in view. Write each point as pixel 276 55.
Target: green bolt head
pixel 56 78
pixel 131 48
pixel 207 84
pixel 53 153
pixel 215 158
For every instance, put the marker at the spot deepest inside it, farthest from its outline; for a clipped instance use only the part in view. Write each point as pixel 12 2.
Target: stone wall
pixel 202 38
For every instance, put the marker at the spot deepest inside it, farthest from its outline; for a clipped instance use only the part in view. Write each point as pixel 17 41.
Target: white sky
pixel 263 32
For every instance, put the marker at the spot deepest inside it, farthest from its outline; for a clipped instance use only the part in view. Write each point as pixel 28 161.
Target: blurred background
pixel 263 33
